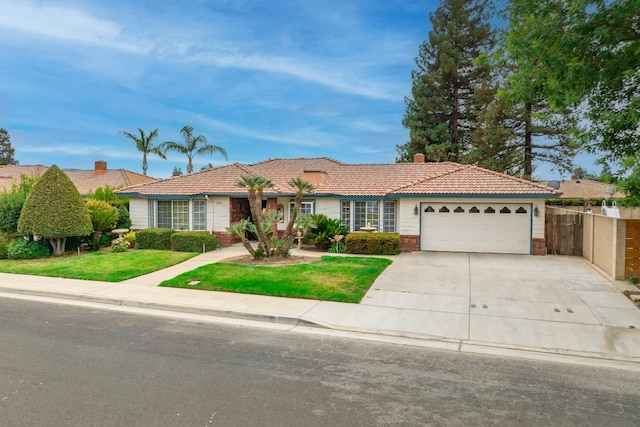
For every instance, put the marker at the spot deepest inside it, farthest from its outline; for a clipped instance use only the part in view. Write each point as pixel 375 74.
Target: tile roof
pixel 85 180
pixel 586 189
pixel 348 180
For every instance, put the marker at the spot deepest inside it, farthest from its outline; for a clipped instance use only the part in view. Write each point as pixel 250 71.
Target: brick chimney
pixel 100 167
pixel 419 158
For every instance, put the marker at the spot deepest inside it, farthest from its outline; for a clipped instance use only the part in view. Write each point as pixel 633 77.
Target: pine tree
pixel 443 108
pixel 6 150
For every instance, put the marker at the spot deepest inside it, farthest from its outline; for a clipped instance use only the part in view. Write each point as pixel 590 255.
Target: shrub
pixel 124 220
pixel 373 243
pixel 11 203
pixel 119 245
pixel 4 245
pixel 154 238
pixel 131 238
pixel 193 241
pixel 27 249
pixel 325 230
pixel 103 216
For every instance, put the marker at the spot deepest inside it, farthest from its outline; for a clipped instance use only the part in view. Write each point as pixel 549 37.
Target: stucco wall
pixel 409 224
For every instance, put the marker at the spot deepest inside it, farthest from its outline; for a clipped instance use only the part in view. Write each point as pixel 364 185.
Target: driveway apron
pixel 548 303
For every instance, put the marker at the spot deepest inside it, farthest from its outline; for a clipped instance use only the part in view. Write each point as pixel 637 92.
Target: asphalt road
pixel 68 366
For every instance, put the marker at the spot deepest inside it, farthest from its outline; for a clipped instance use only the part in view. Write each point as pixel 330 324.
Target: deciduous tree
pixel 583 53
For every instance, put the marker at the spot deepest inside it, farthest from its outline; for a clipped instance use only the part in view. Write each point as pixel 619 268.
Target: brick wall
pixel 225 239
pixel 539 247
pixel 409 243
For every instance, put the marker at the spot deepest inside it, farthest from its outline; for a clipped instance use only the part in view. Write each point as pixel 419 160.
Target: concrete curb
pixel 385 336
pixel 294 321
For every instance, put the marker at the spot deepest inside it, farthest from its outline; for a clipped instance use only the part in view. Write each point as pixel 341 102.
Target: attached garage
pixel 476 227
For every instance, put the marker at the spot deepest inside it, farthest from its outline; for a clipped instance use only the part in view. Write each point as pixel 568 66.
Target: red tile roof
pixel 85 181
pixel 348 180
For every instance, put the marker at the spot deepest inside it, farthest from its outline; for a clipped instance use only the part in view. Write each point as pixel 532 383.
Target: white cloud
pixel 65 24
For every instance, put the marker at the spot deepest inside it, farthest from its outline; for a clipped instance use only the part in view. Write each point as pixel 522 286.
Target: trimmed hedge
pixel 192 241
pixel 373 243
pixel 154 238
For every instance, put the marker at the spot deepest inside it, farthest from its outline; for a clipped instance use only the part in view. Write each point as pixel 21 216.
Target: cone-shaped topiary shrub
pixel 55 210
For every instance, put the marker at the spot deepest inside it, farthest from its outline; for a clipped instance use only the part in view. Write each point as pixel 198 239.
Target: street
pixel 65 365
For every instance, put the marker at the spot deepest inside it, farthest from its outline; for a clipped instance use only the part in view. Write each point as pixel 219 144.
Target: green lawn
pixel 343 279
pixel 104 266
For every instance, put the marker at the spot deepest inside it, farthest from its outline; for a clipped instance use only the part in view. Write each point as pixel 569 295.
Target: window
pixel 474 210
pixel 459 209
pixel 306 207
pixel 444 209
pixel 365 214
pixel 345 213
pixel 389 217
pixel 173 214
pixel 378 214
pixel 505 210
pixel 429 209
pixel 521 210
pixel 489 210
pixel 199 214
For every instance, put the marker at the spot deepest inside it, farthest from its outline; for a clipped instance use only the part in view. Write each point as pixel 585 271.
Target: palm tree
pixel 144 143
pixel 301 187
pixel 190 146
pixel 255 185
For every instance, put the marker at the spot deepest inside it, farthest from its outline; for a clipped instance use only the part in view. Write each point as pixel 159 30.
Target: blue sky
pixel 263 79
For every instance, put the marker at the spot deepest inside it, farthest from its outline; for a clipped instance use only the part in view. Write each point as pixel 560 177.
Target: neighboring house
pixel 584 189
pixel 433 206
pixel 86 181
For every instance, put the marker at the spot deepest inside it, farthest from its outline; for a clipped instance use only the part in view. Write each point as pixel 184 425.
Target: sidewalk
pixel 442 321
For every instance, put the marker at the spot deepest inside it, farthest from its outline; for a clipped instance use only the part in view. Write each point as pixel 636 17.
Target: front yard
pixel 103 266
pixel 342 279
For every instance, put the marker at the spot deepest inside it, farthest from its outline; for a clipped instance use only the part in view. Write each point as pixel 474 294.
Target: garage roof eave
pixel 474 196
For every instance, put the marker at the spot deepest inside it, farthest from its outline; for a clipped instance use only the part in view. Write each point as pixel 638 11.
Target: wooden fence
pixel 563 232
pixel 632 249
pixel 612 244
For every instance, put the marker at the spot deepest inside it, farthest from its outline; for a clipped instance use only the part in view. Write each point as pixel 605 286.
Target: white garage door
pixel 476 227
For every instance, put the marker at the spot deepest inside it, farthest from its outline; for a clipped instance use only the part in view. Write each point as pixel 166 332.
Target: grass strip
pixel 102 266
pixel 342 279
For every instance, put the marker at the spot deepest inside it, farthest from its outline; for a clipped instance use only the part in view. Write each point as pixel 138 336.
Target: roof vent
pixel 314 177
pixel 554 184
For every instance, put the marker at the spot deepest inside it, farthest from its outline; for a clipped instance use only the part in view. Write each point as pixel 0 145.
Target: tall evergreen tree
pixel 518 130
pixel 6 150
pixel 443 108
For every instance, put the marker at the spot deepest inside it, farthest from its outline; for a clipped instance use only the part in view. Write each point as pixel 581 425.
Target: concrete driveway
pixel 552 303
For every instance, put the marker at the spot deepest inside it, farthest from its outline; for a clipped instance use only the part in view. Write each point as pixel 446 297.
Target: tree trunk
pixel 255 204
pixel 528 148
pixel 58 245
pixel 289 234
